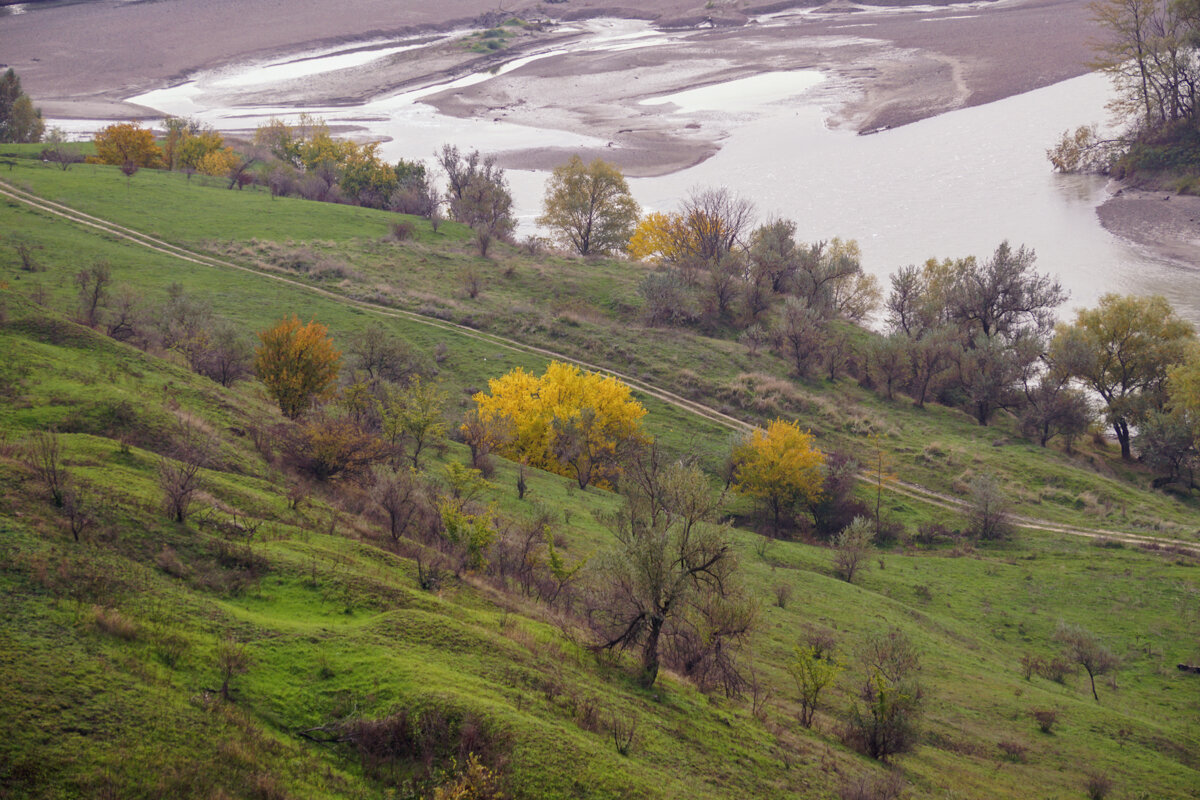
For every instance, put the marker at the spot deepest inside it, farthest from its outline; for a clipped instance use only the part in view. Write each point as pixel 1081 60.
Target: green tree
pixel 884 713
pixel 297 363
pixel 19 120
pixel 25 123
pixel 413 417
pixel 1123 350
pixel 851 547
pixel 813 672
pixel 58 151
pixel 673 567
pixel 485 205
pixel 987 510
pixel 589 207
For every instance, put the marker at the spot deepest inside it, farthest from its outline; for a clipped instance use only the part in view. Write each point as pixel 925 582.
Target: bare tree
pixel 716 220
pixel 58 152
pixel 400 496
pixel 124 318
pixel 44 457
pixel 462 168
pixel 179 477
pixel 1082 647
pixel 232 659
pixel 226 357
pixel 93 284
pixel 79 509
pixel 384 356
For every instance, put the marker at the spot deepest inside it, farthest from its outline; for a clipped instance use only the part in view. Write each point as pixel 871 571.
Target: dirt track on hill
pixel 910 490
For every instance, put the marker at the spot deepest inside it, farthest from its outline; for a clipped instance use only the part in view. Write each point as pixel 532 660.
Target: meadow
pixel 114 647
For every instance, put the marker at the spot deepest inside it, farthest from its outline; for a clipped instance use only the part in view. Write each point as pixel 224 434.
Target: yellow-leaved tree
pixel 779 466
pixel 661 238
pixel 568 421
pixel 297 363
pixel 126 143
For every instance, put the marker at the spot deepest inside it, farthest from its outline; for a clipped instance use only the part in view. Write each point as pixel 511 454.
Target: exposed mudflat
pixel 886 65
pixel 1166 224
pixel 86 60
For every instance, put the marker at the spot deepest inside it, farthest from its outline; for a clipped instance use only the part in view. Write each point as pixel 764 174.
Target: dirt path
pixel 910 490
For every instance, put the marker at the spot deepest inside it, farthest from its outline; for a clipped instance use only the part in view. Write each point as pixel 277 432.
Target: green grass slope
pixel 109 679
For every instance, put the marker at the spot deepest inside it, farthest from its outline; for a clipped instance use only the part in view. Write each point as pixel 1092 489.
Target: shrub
pixel 297 363
pixel 77 507
pixel 1046 719
pixel 474 782
pixel 112 622
pixel 1056 669
pixel 783 594
pixel 402 231
pixel 624 732
pixel 867 787
pixel 1013 751
pixel 408 746
pixel 987 511
pixel 179 480
pixel 883 718
pixel 884 714
pixel 170 648
pixel 1098 785
pixel 327 447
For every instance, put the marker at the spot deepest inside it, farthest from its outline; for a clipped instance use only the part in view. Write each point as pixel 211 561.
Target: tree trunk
pixel 1092 678
pixel 650 653
pixel 1121 428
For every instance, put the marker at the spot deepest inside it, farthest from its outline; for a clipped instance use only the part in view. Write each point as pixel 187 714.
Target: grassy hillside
pixel 112 646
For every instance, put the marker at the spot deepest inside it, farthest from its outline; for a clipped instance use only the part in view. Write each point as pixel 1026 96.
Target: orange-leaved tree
pixel 568 421
pixel 127 143
pixel 779 466
pixel 297 363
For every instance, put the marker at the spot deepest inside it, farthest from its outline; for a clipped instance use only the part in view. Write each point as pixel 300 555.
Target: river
pixel 953 185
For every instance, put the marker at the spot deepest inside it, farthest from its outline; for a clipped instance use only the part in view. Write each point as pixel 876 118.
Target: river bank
pixel 889 65
pixel 1165 224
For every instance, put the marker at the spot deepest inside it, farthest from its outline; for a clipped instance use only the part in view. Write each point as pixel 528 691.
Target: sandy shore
pixel 1166 224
